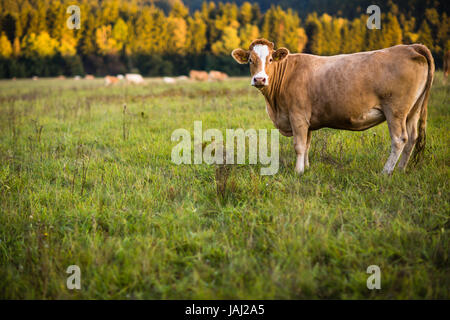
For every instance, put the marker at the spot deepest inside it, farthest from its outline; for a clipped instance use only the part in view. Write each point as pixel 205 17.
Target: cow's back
pixel 335 90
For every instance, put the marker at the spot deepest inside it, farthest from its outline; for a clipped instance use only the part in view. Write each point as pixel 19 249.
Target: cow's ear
pixel 280 54
pixel 240 55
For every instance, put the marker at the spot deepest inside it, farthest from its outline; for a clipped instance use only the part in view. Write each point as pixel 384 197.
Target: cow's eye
pixel 270 60
pixel 250 60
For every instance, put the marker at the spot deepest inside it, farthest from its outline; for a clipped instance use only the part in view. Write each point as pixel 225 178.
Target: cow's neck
pixel 271 92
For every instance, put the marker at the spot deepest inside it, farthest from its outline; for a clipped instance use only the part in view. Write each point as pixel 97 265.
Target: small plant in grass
pixel 223 172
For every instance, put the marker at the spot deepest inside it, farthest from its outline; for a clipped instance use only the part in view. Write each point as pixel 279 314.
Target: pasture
pixel 85 181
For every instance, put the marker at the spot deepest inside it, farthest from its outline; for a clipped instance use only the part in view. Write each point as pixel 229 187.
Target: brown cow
pixel 305 92
pixel 217 75
pixel 446 65
pixel 198 75
pixel 111 80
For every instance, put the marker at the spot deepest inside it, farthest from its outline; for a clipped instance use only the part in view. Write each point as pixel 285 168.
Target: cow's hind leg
pixel 308 144
pixel 411 127
pixel 399 138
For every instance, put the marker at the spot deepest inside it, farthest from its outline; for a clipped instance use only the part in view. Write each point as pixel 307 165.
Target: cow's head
pixel 261 56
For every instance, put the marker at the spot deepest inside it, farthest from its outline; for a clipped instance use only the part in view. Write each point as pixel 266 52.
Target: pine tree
pixel 196 38
pixel 87 41
pixel 256 14
pixel 245 13
pixel 408 27
pixel 392 33
pixel 425 36
pixel 346 42
pixel 120 33
pixel 282 28
pixel 315 32
pixel 179 10
pixel 228 42
pixel 177 34
pixel 247 34
pixel 443 36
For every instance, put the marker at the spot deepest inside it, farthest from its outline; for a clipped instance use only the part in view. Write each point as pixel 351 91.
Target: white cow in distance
pixel 182 78
pixel 169 80
pixel 134 78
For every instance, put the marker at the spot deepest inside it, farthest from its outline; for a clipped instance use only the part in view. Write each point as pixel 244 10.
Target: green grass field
pixel 83 182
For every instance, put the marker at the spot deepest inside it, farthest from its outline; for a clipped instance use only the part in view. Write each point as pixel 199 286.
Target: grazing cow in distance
pixel 198 75
pixel 446 65
pixel 305 92
pixel 111 80
pixel 217 75
pixel 182 78
pixel 169 80
pixel 89 77
pixel 134 78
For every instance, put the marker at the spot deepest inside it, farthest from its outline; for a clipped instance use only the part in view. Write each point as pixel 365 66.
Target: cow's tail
pixel 422 126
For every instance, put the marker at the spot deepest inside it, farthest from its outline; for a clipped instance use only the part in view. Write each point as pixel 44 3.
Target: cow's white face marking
pixel 262 51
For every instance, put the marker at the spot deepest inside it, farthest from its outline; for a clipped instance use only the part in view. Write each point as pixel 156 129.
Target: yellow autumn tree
pixel 67 45
pixel 16 47
pixel 177 33
pixel 302 39
pixel 283 28
pixel 245 13
pixel 5 47
pixel 179 10
pixel 120 33
pixel 106 44
pixel 227 43
pixel 196 37
pixel 247 34
pixel 41 45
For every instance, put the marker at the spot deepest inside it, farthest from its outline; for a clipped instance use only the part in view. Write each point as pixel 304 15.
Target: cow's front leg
pixel 300 133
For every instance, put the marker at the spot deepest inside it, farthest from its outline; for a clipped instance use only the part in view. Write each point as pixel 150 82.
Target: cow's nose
pixel 259 81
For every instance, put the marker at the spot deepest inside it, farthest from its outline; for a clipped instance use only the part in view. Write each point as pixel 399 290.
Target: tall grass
pixel 85 180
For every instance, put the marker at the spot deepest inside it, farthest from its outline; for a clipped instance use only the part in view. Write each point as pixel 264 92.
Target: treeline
pixel 118 36
pixel 349 9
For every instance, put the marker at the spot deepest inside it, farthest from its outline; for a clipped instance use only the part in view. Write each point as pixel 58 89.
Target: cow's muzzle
pixel 259 81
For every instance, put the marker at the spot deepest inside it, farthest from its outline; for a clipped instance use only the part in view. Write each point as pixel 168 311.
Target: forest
pixel 157 38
